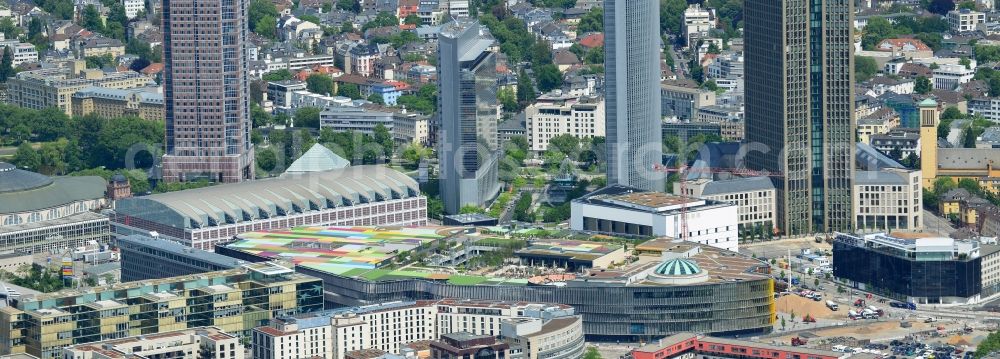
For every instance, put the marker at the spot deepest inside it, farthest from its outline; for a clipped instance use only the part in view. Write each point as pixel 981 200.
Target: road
pixel 933 223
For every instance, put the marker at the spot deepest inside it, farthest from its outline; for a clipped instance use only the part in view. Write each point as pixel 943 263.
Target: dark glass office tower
pixel 632 90
pixel 205 91
pixel 800 108
pixel 469 152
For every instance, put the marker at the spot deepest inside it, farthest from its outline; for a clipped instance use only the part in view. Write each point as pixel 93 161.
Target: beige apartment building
pixel 889 199
pixel 194 343
pixel 557 114
pixel 55 87
pixel 144 103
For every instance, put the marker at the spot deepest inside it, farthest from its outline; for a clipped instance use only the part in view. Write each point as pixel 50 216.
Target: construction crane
pixel 681 171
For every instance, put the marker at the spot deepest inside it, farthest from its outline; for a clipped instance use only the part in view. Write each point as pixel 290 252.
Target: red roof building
pixel 593 40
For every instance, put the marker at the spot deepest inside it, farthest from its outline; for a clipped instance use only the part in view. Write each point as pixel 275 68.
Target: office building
pixel 54 87
pixel 23 53
pixel 194 343
pixel 388 327
pixel 466 345
pixel 754 197
pixel 921 270
pixel 800 108
pixel 965 20
pixel 556 114
pixel 405 127
pixel 949 76
pixel 682 99
pixel 624 211
pixel 146 258
pixel 632 93
pixel 729 118
pixel 280 92
pixel 234 300
pixel 898 141
pixel 144 103
pixel 206 92
pixel 40 213
pixel 888 200
pixel 469 151
pixel 689 345
pixel 200 218
pixel 697 23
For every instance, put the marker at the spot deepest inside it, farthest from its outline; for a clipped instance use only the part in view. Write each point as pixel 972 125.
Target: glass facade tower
pixel 632 91
pixel 469 152
pixel 800 108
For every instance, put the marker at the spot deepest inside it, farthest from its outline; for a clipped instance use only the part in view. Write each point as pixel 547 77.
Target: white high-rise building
pixel 132 7
pixel 632 93
pixel 558 114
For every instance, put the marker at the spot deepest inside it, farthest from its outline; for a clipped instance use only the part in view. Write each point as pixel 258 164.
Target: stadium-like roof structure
pixel 277 197
pixel 25 191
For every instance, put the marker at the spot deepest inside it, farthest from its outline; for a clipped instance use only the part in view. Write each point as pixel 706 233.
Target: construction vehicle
pixel 833 306
pixel 796 341
pixel 860 303
pixel 853 314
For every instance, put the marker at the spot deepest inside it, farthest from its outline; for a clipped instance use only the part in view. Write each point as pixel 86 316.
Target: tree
pixel 346 27
pixel 9 28
pixel 922 85
pixel 90 19
pixel 713 49
pixel 592 353
pixel 138 64
pixel 592 21
pixel 26 157
pixel 349 5
pixel 951 113
pixel 383 138
pixel 320 83
pixel 117 21
pixel 507 99
pixel 257 11
pixel 412 19
pixel 967 5
pixel 525 89
pixel 672 15
pixel 969 137
pixel 307 117
pixel 6 64
pixel 279 75
pixel 259 117
pixel 864 68
pixel 348 90
pixel 877 29
pixel 549 78
pixel 381 19
pixel 267 27
pixel 376 99
pixel 941 7
pixel 469 209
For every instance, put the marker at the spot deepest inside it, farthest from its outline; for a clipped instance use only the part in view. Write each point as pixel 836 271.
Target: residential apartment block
pixel 405 127
pixel 194 343
pixel 233 300
pixel 556 114
pixel 55 87
pixel 389 326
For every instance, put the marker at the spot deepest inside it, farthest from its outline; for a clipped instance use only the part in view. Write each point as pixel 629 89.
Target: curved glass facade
pixel 611 312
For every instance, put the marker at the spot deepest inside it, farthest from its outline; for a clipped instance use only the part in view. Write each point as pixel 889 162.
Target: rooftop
pixel 625 197
pixel 172 247
pixel 580 250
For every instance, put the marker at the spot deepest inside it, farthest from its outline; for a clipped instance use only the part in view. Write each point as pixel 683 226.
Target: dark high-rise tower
pixel 632 90
pixel 205 91
pixel 469 153
pixel 800 108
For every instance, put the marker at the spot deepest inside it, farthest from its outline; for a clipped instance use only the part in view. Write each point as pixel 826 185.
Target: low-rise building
pixel 904 140
pixel 689 345
pixel 924 270
pixel 755 198
pixel 626 211
pixel 55 87
pixel 697 22
pixel 146 258
pixel 356 195
pixel 556 114
pixel 726 66
pixel 965 20
pixel 98 46
pixel 405 127
pixel 879 122
pixel 133 7
pixel 729 118
pixel 200 343
pixel 467 345
pixel 280 92
pixel 949 76
pixel 389 326
pixel 888 200
pixel 144 103
pixel 23 53
pixel 44 324
pixel 681 99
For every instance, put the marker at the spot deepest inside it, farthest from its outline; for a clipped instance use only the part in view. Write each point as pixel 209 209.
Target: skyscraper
pixel 632 92
pixel 800 108
pixel 469 153
pixel 205 91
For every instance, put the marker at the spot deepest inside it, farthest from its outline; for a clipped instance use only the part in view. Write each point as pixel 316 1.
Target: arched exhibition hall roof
pixel 276 197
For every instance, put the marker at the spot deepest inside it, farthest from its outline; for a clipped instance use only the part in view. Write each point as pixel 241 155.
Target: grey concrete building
pixel 469 152
pixel 145 258
pixel 800 108
pixel 632 93
pixel 206 91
